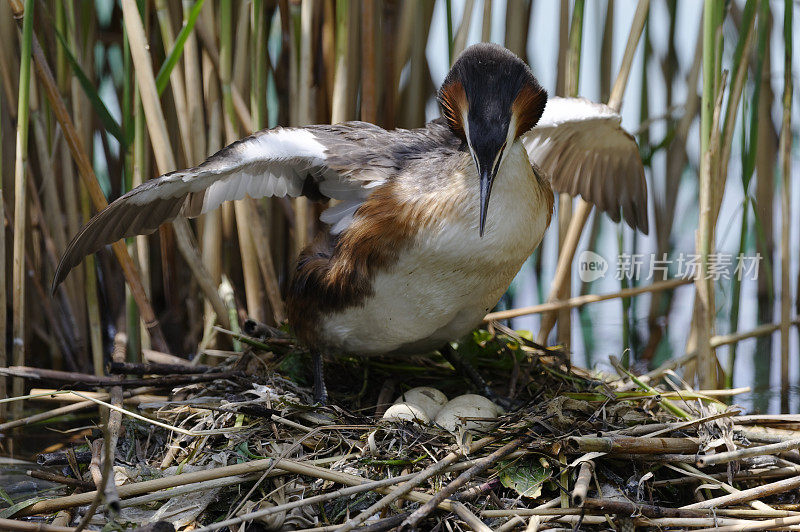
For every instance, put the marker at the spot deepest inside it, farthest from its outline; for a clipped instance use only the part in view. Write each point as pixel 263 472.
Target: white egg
pixel 430 400
pixel 467 406
pixel 406 412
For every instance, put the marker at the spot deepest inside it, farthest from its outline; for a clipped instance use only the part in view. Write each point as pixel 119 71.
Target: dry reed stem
pixel 193 488
pixel 106 488
pixel 43 416
pixel 188 248
pixel 480 465
pixel 415 481
pixel 460 38
pixel 703 324
pixel 743 496
pixel 737 86
pixel 761 450
pixel 18 274
pixel 345 492
pixel 371 61
pixel 468 517
pixel 770 524
pixel 165 159
pixel 25 526
pixel 134 397
pixel 263 245
pixel 561 278
pixel 139 488
pixel 593 506
pixel 240 106
pixel 86 173
pixel 581 488
pixel 631 445
pixel 252 280
pixel 786 203
pixel 748 475
pixel 175 80
pixel 3 303
pixel 693 471
pixel 691 522
pixel 579 301
pixel 194 90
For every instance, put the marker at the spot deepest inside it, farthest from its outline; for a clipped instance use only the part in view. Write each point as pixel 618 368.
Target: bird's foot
pixel 320 391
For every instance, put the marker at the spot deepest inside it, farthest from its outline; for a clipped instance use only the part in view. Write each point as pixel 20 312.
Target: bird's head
pixel 489 98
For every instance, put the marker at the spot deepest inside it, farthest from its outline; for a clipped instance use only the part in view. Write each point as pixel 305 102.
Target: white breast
pixel 449 277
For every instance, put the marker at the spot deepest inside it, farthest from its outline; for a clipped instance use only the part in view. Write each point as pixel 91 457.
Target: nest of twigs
pixel 234 444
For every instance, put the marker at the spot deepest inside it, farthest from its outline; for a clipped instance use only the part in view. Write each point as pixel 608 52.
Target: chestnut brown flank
pixel 336 273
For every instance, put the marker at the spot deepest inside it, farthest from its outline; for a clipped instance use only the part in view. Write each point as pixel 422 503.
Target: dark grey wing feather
pixel 582 147
pixel 344 162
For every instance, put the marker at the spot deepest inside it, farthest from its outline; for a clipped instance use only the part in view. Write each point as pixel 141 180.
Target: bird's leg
pixel 320 391
pixel 472 374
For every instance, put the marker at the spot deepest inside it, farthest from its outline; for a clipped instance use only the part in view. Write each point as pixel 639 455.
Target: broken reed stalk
pixel 60 479
pixel 468 517
pixel 738 76
pixel 786 204
pixel 583 208
pixel 631 445
pixel 18 275
pixel 581 488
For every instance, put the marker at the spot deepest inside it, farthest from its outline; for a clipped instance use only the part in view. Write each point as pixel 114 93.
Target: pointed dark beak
pixel 487 179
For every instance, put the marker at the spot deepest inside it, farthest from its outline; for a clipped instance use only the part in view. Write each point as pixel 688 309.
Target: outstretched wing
pixel 584 150
pixel 277 162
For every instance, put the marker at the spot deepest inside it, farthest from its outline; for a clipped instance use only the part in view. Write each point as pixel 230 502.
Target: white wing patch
pixel 290 153
pixel 561 110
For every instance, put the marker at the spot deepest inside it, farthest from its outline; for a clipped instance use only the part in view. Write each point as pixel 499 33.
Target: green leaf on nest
pixel 526 478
